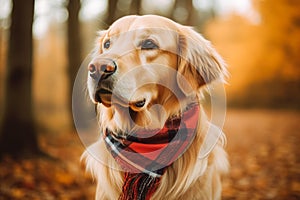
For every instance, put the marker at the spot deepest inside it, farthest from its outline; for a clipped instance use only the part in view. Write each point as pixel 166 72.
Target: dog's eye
pixel 140 104
pixel 148 45
pixel 106 44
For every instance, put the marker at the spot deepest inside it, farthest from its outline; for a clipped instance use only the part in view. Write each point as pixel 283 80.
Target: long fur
pixel 191 176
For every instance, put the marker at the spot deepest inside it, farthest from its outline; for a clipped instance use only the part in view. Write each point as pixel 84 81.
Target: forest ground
pixel 263 148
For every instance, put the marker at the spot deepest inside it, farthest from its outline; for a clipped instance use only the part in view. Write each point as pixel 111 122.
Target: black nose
pixel 102 68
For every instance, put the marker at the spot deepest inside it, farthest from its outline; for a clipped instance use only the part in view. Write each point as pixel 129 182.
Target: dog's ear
pixel 198 61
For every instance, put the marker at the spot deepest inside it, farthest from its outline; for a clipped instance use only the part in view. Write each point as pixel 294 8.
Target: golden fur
pixel 184 51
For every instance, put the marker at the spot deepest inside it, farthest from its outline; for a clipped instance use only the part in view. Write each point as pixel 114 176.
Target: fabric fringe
pixel 139 186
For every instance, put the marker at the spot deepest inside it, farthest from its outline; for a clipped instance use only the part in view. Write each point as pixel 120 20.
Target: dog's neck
pixel 145 155
pixel 175 137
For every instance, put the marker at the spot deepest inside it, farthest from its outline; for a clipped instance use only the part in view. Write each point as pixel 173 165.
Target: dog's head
pixel 146 69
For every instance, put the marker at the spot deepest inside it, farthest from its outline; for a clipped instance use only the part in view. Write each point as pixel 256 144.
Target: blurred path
pixel 264 152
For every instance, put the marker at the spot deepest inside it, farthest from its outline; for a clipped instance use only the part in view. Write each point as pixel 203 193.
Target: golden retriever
pixel 148 71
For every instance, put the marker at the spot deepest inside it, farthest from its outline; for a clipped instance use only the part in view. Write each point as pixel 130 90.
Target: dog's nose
pixel 102 68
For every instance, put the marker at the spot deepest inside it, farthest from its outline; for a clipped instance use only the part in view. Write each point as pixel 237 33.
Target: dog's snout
pixel 102 68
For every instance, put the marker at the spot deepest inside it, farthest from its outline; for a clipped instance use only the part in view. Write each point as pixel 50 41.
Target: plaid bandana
pixel 145 155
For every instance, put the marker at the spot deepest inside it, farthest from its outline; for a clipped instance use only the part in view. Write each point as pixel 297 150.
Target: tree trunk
pixel 135 7
pixel 74 58
pixel 112 6
pixel 74 45
pixel 17 133
pixel 190 9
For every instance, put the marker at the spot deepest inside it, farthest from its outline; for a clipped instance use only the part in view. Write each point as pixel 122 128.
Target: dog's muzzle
pixel 100 71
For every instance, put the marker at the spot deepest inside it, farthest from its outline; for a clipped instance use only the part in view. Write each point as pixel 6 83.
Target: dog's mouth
pixel 103 96
pixel 107 98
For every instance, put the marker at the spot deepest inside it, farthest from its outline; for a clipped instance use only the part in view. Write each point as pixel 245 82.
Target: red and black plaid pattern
pixel 145 154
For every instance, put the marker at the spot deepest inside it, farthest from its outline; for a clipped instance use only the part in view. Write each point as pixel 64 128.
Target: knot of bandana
pixel 145 155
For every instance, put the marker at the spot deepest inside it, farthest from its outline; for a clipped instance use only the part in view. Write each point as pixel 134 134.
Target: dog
pixel 146 78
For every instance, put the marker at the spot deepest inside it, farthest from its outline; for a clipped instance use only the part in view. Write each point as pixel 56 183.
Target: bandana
pixel 144 155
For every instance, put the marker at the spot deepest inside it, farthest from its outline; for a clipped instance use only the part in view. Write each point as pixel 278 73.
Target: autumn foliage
pixel 263 55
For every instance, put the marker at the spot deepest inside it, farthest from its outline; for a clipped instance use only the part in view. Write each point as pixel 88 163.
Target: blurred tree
pixel 190 11
pixel 81 112
pixel 74 46
pixel 18 134
pixel 183 12
pixel 135 7
pixel 112 7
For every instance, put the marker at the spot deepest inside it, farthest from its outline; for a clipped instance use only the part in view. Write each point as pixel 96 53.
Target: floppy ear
pixel 198 61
